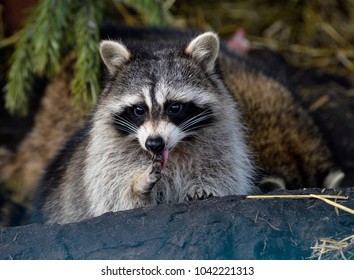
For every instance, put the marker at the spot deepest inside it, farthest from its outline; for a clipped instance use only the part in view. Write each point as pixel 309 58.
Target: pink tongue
pixel 164 157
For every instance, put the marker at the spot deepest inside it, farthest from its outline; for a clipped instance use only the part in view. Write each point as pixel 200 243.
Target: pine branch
pixel 85 86
pixel 47 36
pixel 37 52
pixel 52 18
pixel 21 75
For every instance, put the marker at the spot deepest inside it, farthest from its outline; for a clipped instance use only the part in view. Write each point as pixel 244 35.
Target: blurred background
pixel 318 33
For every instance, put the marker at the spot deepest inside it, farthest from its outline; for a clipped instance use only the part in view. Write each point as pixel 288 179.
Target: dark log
pixel 219 228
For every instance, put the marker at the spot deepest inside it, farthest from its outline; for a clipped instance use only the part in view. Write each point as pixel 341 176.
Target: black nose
pixel 155 144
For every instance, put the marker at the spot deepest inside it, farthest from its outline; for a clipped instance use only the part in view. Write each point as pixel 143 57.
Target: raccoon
pixel 166 129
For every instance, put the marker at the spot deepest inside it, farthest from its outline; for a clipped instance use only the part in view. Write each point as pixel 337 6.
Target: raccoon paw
pixel 155 172
pixel 199 194
pixel 144 183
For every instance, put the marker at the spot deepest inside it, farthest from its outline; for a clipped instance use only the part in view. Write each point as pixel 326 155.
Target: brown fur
pixel 284 138
pixel 55 121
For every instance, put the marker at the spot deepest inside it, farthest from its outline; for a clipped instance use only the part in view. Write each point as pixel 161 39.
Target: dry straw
pixel 327 248
pixel 325 198
pixel 324 248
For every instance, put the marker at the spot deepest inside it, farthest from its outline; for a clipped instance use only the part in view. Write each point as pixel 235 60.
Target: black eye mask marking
pixel 131 118
pixel 188 116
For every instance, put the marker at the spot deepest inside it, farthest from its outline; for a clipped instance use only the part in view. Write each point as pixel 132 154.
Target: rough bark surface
pixel 219 228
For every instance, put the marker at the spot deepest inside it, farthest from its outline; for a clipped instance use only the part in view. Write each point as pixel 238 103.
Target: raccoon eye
pixel 138 111
pixel 175 108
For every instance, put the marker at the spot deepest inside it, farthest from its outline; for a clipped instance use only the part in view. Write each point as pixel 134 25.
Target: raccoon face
pixel 161 98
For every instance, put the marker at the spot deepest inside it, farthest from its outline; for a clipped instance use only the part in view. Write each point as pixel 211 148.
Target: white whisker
pixel 125 124
pixel 187 125
pixel 195 127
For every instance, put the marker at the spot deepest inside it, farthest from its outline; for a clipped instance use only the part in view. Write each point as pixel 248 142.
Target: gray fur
pixel 102 170
pixel 113 54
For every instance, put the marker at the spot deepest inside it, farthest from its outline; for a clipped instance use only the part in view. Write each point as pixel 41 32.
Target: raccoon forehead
pixel 118 103
pixel 185 93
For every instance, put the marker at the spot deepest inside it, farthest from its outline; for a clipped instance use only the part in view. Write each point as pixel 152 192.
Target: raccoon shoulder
pixel 71 155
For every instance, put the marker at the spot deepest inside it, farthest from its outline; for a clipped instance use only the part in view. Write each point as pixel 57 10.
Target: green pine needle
pixel 86 87
pixel 20 76
pixel 52 18
pixel 48 35
pixel 37 52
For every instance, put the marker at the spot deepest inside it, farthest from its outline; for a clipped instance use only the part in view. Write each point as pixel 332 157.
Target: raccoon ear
pixel 205 49
pixel 113 54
